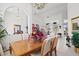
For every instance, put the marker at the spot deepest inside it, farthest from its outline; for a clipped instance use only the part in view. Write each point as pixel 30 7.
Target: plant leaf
pixel 1 36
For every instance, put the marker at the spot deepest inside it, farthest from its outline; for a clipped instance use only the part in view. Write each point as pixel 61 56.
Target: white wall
pixel 73 11
pixel 53 18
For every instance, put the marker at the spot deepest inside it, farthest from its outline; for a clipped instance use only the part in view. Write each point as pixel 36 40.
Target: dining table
pixel 24 47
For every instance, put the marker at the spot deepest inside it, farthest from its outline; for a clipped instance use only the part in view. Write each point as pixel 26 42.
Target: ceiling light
pixel 39 5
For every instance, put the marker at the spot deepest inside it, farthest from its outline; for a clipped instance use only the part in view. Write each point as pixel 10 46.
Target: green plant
pixel 75 39
pixel 3 32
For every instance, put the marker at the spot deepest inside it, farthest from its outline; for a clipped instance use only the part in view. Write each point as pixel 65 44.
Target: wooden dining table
pixel 24 47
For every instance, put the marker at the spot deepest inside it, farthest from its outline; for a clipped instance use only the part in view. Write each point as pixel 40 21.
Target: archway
pixel 15 16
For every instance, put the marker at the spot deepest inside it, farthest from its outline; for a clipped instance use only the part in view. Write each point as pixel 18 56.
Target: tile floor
pixel 62 49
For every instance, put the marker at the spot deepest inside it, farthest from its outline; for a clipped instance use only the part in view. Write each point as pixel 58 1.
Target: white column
pixel 61 23
pixel 30 19
pixel 69 27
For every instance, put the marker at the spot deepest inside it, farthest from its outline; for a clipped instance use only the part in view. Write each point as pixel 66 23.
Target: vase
pixel 35 39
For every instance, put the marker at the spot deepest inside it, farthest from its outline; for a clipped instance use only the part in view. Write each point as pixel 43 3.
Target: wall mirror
pixel 75 24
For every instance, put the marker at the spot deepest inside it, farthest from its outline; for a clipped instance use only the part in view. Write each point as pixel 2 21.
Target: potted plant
pixel 75 41
pixel 3 33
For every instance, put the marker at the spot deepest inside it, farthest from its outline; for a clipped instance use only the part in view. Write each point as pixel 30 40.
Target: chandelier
pixel 39 5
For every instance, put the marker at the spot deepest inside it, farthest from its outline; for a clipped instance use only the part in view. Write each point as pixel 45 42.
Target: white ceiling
pixel 49 6
pixel 52 9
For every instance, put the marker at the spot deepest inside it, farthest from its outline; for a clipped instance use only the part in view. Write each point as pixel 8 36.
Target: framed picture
pixel 17 29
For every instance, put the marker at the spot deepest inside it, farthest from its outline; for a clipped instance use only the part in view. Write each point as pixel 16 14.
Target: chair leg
pixel 55 52
pixel 51 53
pixel 47 54
pixel 10 50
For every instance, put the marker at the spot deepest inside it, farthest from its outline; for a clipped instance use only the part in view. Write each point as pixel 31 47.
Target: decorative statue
pixel 48 28
pixel 55 27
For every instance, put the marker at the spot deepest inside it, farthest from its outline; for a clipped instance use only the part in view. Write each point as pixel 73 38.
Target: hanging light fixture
pixel 39 5
pixel 18 16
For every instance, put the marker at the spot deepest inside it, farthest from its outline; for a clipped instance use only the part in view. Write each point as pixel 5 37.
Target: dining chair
pixel 45 49
pixel 54 45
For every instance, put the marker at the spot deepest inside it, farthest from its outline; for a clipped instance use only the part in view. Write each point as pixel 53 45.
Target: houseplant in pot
pixel 75 41
pixel 3 33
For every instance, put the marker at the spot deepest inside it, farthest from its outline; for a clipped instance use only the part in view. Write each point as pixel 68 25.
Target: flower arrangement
pixel 37 34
